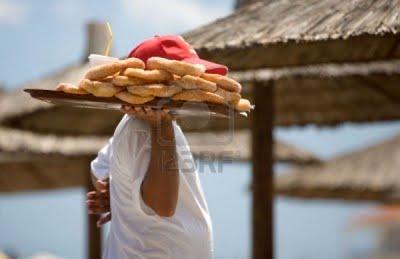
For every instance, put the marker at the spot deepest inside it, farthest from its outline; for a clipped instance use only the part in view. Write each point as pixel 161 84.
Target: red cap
pixel 174 47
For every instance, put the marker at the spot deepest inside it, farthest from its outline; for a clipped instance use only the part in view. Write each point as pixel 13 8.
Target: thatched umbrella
pixel 331 94
pixel 370 174
pixel 278 33
pixel 19 110
pixel 42 162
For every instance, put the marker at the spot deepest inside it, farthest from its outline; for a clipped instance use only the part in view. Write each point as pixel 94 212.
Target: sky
pixel 42 36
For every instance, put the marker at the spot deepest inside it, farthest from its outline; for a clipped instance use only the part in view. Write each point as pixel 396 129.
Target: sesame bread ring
pixel 103 71
pixel 149 75
pixel 179 68
pixel 133 99
pixel 124 81
pixel 229 97
pixel 99 89
pixel 70 89
pixel 243 105
pixel 224 82
pixel 158 90
pixel 198 96
pixel 132 63
pixel 192 82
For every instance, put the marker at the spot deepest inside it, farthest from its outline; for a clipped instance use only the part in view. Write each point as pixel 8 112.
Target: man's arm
pixel 160 185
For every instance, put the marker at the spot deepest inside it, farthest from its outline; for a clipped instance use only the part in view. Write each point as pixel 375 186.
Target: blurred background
pixel 40 38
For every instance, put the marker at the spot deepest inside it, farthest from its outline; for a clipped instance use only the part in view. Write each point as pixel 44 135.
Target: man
pixel 156 201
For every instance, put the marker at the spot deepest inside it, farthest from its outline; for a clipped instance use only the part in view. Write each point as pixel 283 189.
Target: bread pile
pixel 129 81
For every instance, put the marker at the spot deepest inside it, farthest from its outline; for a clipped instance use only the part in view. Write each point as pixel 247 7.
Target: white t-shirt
pixel 135 230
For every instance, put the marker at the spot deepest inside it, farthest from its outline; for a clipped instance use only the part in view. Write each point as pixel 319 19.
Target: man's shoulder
pixel 130 136
pixel 130 125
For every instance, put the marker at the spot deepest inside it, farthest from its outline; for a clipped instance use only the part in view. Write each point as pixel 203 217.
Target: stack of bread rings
pixel 133 81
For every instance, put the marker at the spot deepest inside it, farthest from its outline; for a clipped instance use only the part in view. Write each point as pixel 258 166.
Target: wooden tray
pixel 178 108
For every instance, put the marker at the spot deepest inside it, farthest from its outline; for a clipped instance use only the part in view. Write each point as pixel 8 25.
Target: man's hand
pixel 98 201
pixel 155 118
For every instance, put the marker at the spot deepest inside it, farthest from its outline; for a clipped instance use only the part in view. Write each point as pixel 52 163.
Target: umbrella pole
pixel 262 180
pixel 93 232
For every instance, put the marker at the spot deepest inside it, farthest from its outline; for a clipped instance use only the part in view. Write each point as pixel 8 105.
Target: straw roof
pixel 30 161
pixel 19 110
pixel 8 100
pixel 20 142
pixel 369 174
pixel 330 94
pixel 278 33
pixel 208 145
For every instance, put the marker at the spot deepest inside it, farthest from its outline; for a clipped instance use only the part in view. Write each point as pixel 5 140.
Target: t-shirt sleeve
pixel 100 166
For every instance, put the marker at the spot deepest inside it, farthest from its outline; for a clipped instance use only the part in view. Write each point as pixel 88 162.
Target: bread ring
pixel 99 89
pixel 70 89
pixel 124 81
pixel 224 82
pixel 192 82
pixel 229 97
pixel 155 76
pixel 198 96
pixel 179 68
pixel 132 63
pixel 103 71
pixel 243 105
pixel 133 99
pixel 158 90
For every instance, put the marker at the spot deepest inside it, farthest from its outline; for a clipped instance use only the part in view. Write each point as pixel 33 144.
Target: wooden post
pixel 96 38
pixel 93 232
pixel 262 180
